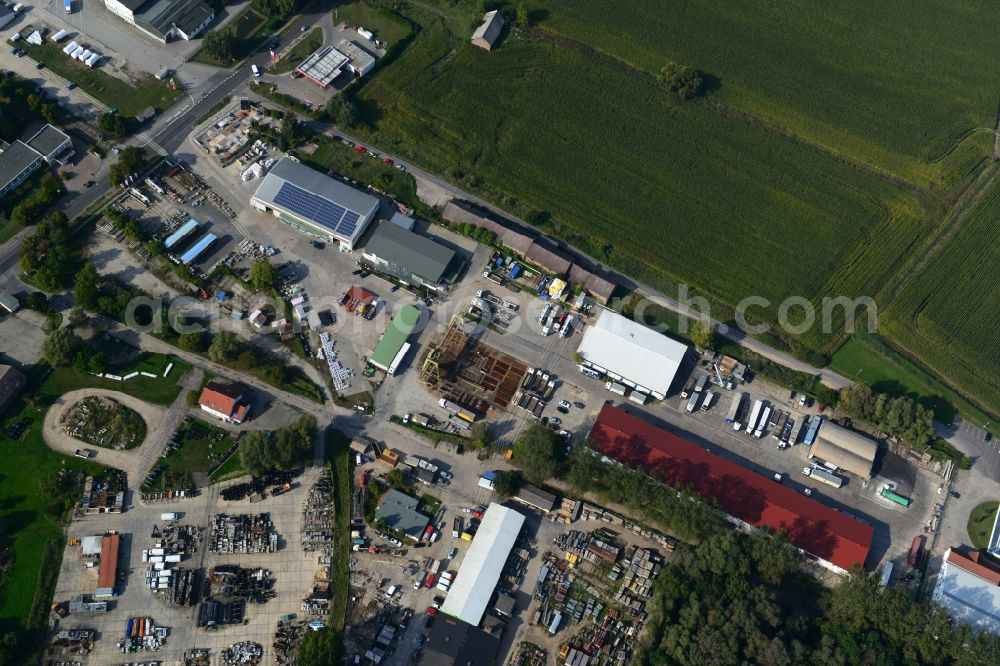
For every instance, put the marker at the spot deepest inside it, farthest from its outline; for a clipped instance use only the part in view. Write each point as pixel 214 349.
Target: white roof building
pixel 632 354
pixel 483 564
pixel 969 590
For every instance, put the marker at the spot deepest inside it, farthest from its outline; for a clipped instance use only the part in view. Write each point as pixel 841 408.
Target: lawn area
pixel 230 469
pixel 130 100
pixel 981 523
pixel 868 359
pixel 388 27
pixel 299 52
pixel 7 230
pixel 203 447
pixel 30 518
pixel 161 391
pixel 334 156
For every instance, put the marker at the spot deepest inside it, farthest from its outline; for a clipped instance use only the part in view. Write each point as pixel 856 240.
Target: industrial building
pixel 315 203
pixel 107 575
pixel 9 302
pixel 968 586
pixel 832 538
pixel 848 450
pixel 164 20
pixel 411 257
pixel 483 564
pixel 12 381
pixel 631 354
pixel 49 142
pixel 224 401
pixel 322 67
pixel 451 642
pixel 399 511
pixel 536 498
pixel 393 347
pixel 17 161
pixel 488 32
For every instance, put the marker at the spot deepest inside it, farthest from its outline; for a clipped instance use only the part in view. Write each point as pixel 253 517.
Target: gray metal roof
pixel 162 15
pixel 399 511
pixel 536 497
pixel 490 28
pixel 314 182
pixel 411 251
pixel 47 140
pixel 13 161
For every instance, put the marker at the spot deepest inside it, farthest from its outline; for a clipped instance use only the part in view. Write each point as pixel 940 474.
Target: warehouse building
pixel 164 20
pixel 391 350
pixel 629 353
pixel 831 538
pixel 315 203
pixel 536 498
pixel 399 511
pixel 411 257
pixel 17 162
pixel 968 586
pixel 484 562
pixel 107 574
pixel 848 450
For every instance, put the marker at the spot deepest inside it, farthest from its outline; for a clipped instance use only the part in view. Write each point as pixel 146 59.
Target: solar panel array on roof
pixel 331 215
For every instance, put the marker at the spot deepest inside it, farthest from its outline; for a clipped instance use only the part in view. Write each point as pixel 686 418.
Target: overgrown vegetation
pixel 740 599
pixel 262 451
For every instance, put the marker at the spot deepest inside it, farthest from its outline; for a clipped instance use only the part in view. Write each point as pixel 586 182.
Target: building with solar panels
pixel 315 203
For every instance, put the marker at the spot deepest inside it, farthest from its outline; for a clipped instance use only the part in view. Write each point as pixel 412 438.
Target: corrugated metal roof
pixel 483 564
pixel 845 448
pixel 755 499
pixel 410 251
pixel 637 353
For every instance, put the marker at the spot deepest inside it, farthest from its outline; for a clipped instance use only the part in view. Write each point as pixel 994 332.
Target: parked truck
pixel 69 6
pixel 709 396
pixel 762 426
pixel 693 402
pixel 702 383
pixel 734 409
pixel 823 476
pixel 754 416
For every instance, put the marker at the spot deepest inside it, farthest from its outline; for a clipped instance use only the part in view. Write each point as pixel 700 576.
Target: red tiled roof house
pixel 224 401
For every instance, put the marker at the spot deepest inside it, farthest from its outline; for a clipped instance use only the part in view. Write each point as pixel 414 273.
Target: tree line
pixel 263 451
pixel 742 599
pixel 902 417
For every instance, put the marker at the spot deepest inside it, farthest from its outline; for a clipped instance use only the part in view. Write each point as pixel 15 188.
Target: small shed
pixel 488 32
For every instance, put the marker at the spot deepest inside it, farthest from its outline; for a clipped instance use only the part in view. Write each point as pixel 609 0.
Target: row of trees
pixel 901 417
pixel 23 103
pixel 64 348
pixel 541 455
pixel 130 160
pixel 221 43
pixel 740 599
pixel 263 451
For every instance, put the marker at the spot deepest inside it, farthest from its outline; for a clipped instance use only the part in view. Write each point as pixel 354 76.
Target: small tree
pixel 703 334
pixel 481 433
pixel 77 318
pixel 537 453
pixel 192 398
pixel 523 15
pixel 224 347
pixel 85 289
pixel 263 275
pixel 507 483
pixel 683 80
pixel 60 347
pixel 221 44
pixel 192 342
pixel 38 301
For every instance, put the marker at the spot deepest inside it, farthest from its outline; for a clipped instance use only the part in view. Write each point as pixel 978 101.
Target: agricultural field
pixel 946 316
pixel 890 84
pixel 609 155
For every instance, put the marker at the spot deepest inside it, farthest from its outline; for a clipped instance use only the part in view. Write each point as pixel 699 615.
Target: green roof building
pixel 392 348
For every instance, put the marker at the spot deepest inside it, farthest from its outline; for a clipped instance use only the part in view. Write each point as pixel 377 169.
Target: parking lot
pixel 293 571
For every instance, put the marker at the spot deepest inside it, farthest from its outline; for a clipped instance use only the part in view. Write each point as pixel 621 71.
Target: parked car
pixel 453 553
pixel 555 421
pixel 579 405
pixel 564 403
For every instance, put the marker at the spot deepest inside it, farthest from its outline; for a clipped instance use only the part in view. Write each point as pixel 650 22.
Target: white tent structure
pixel 59 36
pixel 93 59
pixel 630 353
pixel 480 571
pixel 69 48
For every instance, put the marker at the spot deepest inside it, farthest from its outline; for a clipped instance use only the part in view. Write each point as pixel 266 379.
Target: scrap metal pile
pixel 229 581
pixel 256 489
pixel 243 534
pixel 636 574
pixel 287 639
pixel 244 653
pixel 182 587
pixel 317 523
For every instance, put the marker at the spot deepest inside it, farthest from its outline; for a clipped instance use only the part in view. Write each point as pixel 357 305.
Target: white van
pixel 169 516
pixel 256 70
pixel 391 592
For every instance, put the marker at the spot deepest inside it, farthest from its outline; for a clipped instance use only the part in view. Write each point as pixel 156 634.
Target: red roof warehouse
pixel 815 528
